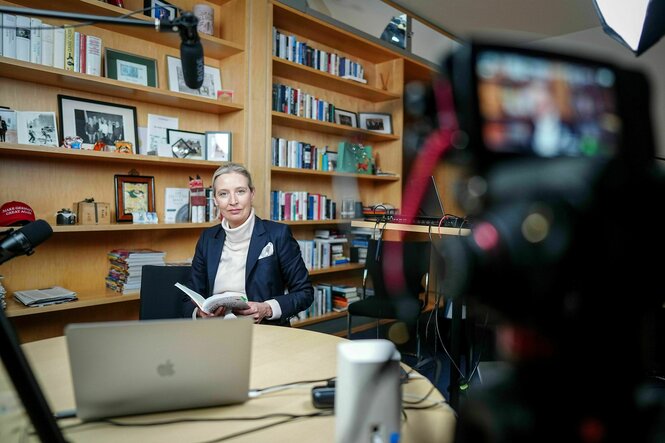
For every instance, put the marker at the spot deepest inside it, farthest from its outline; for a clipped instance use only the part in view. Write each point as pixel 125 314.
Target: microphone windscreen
pixel 36 232
pixel 191 56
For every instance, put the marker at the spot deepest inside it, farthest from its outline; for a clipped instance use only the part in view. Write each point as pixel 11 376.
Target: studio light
pixel 637 24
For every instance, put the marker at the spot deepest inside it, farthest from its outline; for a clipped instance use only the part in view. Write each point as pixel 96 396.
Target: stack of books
pixel 125 268
pixel 46 296
pixel 342 296
pixel 3 291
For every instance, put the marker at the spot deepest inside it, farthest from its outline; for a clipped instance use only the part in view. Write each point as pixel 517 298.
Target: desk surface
pixel 280 355
pixel 410 228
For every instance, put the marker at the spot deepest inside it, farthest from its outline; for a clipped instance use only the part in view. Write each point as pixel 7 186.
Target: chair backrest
pixel 159 297
pixel 397 269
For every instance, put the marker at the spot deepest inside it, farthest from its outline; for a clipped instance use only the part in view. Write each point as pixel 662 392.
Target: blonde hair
pixel 233 167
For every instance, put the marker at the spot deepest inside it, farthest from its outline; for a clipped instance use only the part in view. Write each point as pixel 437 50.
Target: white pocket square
pixel 267 251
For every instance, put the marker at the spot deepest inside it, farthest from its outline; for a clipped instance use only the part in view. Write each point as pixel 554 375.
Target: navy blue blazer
pixel 265 278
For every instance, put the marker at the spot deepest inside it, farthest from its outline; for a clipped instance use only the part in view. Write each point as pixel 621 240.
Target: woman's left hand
pixel 258 311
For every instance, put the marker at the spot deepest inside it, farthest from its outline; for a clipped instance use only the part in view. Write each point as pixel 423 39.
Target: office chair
pixel 396 295
pixel 159 297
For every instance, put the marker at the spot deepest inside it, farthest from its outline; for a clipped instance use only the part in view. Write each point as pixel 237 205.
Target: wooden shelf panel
pixel 338 268
pixel 16 309
pixel 98 156
pixel 46 75
pixel 291 20
pixel 339 221
pixel 317 319
pixel 131 227
pixel 212 46
pixel 300 171
pixel 304 74
pixel 308 124
pixel 410 228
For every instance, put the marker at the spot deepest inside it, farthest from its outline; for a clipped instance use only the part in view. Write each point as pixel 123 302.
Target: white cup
pixel 206 16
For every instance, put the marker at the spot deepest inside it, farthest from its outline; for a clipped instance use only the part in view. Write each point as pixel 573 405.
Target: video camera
pixel 563 190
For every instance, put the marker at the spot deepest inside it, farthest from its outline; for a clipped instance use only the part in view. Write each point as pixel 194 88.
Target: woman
pixel 249 255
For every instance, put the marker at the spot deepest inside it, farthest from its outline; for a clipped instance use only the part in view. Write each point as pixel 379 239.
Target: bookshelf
pixel 49 179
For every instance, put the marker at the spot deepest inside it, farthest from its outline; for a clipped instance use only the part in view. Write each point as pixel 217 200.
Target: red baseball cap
pixel 15 214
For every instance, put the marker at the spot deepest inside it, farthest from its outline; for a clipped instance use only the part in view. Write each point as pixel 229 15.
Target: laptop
pixel 137 367
pixel 430 209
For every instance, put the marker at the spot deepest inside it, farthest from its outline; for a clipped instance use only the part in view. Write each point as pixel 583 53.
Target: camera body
pixel 65 217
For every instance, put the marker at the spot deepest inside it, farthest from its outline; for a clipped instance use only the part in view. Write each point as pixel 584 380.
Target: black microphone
pixel 24 240
pixel 191 50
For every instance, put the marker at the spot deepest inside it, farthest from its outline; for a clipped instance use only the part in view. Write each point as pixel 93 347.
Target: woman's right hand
pixel 219 312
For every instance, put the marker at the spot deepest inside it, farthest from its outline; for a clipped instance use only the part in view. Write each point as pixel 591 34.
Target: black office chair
pixel 396 295
pixel 159 297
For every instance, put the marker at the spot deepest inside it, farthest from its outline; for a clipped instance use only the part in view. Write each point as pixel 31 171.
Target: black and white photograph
pixel 376 122
pixel 160 9
pixel 346 118
pixel 8 126
pixel 218 146
pixel 186 144
pixel 36 128
pixel 212 80
pixel 96 121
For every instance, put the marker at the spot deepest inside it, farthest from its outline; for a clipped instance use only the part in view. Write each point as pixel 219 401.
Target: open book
pixel 230 300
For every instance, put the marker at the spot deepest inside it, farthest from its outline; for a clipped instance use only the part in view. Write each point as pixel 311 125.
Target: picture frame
pixel 212 79
pixel 376 122
pixel 219 146
pixel 187 144
pixel 9 117
pixel 94 120
pixel 133 193
pixel 346 118
pixel 36 128
pixel 130 68
pixel 160 9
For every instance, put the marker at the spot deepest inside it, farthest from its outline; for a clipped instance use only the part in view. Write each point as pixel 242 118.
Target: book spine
pixel 93 55
pixel 69 49
pixel 9 35
pixel 77 51
pixel 59 48
pixel 35 40
pixel 23 38
pixel 47 45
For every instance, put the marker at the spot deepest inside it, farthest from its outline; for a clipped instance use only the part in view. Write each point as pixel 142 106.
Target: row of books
pixel 294 101
pixel 301 205
pixel 296 154
pixel 178 207
pixel 125 266
pixel 30 40
pixel 290 48
pixel 329 298
pixel 320 253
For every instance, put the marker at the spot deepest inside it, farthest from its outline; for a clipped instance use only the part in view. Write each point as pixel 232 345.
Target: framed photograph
pixel 218 146
pixel 186 144
pixel 95 121
pixel 212 79
pixel 36 128
pixel 160 9
pixel 133 193
pixel 346 118
pixel 376 122
pixel 130 68
pixel 8 126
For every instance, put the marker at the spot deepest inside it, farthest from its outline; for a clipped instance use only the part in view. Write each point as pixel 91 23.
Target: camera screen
pixel 546 107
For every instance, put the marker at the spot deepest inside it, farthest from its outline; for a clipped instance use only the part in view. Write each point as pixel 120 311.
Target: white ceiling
pixel 524 19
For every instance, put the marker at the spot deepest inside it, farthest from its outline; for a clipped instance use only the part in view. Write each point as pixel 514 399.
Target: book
pixel 58 48
pixel 47 44
pixel 93 55
pixel 35 40
pixel 230 300
pixel 45 296
pixel 176 205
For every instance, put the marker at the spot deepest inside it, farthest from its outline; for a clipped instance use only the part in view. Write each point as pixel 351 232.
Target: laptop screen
pixel 430 205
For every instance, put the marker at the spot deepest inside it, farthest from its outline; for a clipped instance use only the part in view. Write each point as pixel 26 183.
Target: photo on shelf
pixel 133 193
pixel 346 118
pixel 218 146
pixel 130 68
pixel 160 9
pixel 212 79
pixel 8 126
pixel 36 128
pixel 376 122
pixel 186 144
pixel 95 121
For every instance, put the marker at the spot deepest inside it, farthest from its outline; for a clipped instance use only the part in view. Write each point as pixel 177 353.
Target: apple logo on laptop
pixel 166 369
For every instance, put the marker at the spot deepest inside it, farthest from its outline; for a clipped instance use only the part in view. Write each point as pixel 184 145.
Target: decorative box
pixel 355 158
pixel 90 212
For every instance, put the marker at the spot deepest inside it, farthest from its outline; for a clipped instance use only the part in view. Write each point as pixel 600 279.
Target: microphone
pixel 191 50
pixel 24 240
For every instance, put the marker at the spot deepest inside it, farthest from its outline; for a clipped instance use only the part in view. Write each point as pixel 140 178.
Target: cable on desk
pixel 253 393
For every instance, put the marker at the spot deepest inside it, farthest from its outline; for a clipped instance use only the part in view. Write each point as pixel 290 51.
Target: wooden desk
pixel 421 229
pixel 280 355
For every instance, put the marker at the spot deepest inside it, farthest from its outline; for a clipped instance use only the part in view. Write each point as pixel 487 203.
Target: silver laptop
pixel 136 367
